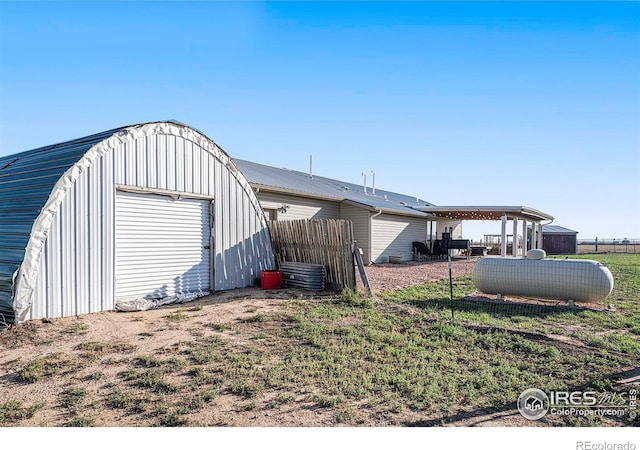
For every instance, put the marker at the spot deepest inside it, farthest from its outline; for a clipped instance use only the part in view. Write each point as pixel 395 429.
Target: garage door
pixel 162 246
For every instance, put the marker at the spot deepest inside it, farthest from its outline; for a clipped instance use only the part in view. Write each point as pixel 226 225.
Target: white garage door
pixel 162 246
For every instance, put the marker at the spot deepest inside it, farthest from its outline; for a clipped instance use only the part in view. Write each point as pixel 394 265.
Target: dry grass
pixel 300 360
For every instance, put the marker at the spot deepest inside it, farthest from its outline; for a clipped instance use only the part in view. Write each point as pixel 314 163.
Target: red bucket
pixel 271 279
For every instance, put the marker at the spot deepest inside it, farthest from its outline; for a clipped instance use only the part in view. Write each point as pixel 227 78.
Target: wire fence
pixel 609 245
pixel 509 312
pixel 465 302
pixel 624 298
pixel 509 306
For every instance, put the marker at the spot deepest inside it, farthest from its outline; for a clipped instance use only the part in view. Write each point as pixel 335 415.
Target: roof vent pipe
pixel 310 166
pixel 364 175
pixel 373 182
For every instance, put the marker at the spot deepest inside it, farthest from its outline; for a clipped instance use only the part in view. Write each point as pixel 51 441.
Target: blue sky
pixel 501 103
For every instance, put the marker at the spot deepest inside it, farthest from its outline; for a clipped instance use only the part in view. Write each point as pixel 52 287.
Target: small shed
pixel 557 240
pixel 150 211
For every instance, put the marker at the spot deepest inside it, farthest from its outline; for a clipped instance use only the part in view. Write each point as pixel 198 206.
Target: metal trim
pixel 176 195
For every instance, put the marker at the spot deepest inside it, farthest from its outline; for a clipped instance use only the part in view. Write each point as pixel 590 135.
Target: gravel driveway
pixel 384 277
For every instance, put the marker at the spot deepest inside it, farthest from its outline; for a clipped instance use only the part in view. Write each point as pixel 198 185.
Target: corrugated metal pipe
pixel 303 275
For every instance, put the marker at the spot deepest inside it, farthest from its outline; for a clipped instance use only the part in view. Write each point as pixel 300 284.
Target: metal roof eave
pixel 294 192
pixel 398 212
pixel 278 190
pixel 486 212
pixel 556 230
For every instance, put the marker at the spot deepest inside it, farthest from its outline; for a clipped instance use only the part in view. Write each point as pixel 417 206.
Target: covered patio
pixel 518 215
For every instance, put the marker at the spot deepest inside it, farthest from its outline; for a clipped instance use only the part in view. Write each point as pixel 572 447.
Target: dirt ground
pixel 131 331
pixel 133 335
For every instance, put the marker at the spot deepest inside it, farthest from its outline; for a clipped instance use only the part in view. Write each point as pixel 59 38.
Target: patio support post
pixel 540 241
pixel 524 236
pixel 503 241
pixel 514 240
pixel 532 236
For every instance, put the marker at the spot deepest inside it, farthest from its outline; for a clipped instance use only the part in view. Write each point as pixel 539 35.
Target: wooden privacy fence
pixel 317 241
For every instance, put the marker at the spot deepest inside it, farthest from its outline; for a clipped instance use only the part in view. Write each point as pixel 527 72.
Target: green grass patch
pixel 284 398
pixel 12 412
pixel 585 324
pixel 219 326
pixel 136 402
pixel 177 316
pixel 347 414
pixel 355 298
pixel 414 360
pixel 325 401
pixel 205 350
pixel 73 396
pixel 46 367
pixel 174 418
pixel 80 421
pixel 77 328
pixel 154 380
pixel 201 376
pixel 246 388
pixel 260 317
pixel 198 400
pixel 462 286
pixel 625 269
pixel 94 349
pixel 168 365
pixel 120 399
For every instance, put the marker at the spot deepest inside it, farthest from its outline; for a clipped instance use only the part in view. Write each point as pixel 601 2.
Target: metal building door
pixel 162 246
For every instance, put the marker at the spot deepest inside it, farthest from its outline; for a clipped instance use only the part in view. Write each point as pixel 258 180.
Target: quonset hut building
pixel 150 210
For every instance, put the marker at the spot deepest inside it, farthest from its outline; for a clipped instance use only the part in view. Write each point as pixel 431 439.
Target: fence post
pixel 596 244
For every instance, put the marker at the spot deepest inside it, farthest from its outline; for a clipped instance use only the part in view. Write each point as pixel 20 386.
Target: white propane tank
pixel 536 253
pixel 534 276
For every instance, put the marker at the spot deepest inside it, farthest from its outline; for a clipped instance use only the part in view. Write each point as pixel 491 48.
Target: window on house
pixel 271 214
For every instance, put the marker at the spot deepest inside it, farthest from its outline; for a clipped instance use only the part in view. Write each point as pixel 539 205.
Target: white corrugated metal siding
pixel 299 207
pixel 76 270
pixel 75 274
pixel 361 219
pixel 162 246
pixel 394 235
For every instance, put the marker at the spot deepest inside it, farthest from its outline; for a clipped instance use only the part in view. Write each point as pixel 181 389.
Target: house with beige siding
pixel 385 223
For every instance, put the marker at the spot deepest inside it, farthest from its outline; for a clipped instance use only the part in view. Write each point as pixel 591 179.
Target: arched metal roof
pixel 27 180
